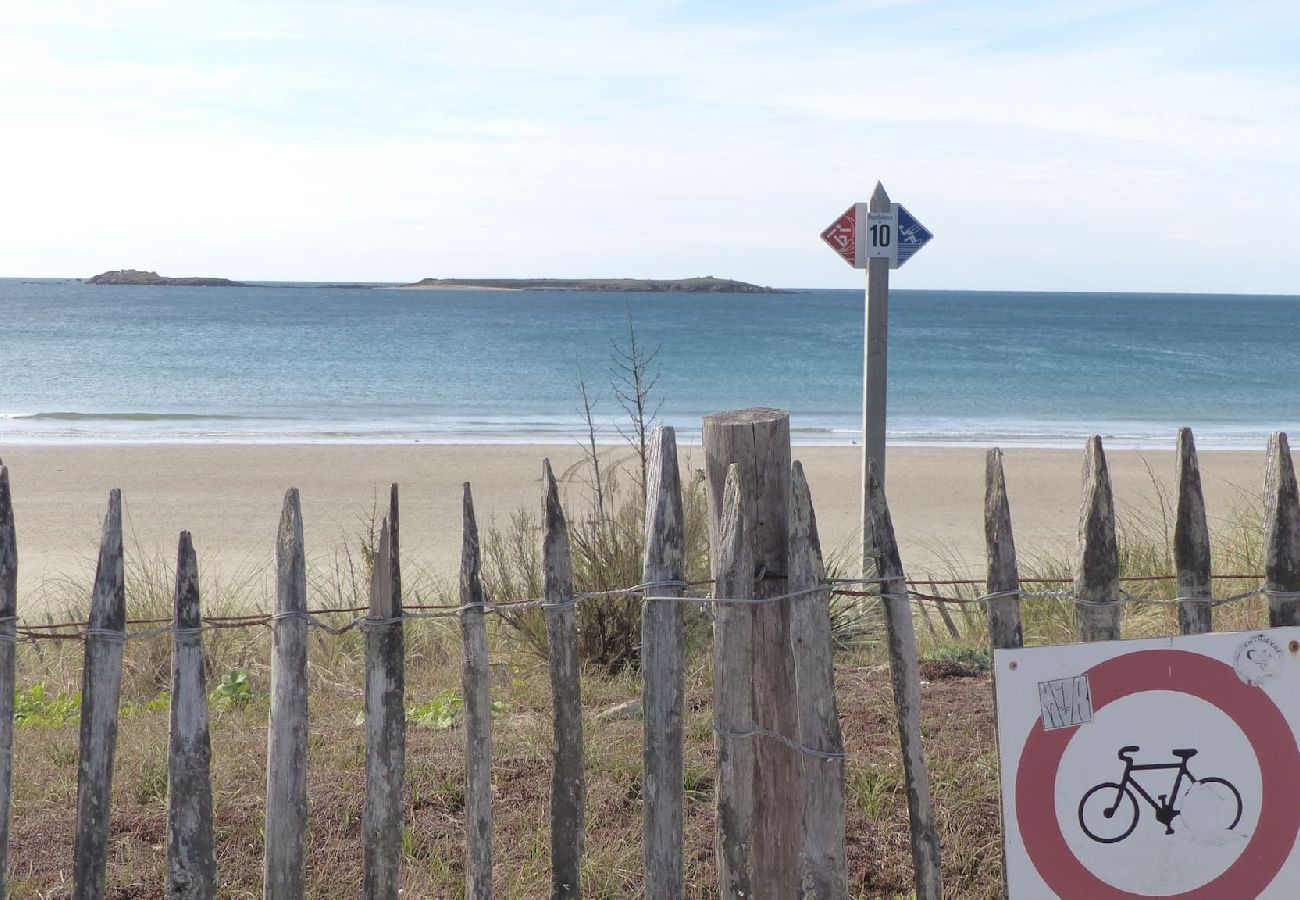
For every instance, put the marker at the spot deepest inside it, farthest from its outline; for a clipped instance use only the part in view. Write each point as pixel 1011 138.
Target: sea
pixel 286 363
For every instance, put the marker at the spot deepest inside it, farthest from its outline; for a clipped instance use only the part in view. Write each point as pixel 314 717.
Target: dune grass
pixel 958 724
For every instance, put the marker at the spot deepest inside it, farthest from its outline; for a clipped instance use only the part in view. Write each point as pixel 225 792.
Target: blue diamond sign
pixel 912 235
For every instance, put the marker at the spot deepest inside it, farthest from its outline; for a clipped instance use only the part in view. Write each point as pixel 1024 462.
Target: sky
pixel 1146 146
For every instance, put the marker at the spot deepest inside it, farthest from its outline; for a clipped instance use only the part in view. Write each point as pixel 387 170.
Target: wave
pixel 127 417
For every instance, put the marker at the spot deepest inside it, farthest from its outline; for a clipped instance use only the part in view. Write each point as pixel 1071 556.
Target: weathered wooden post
pixel 823 866
pixel 191 850
pixel 568 781
pixel 757 441
pixel 385 718
pixel 286 741
pixel 662 671
pixel 1191 541
pixel 906 677
pixel 733 694
pixel 1282 540
pixel 8 655
pixel 1096 581
pixel 1270 463
pixel 101 694
pixel 476 686
pixel 1003 580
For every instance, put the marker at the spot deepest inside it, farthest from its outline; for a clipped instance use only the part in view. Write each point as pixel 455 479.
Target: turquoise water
pixel 304 363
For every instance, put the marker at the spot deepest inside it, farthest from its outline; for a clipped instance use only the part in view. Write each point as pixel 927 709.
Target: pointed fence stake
pixel 101 694
pixel 1282 540
pixel 757 441
pixel 823 866
pixel 286 742
pixel 568 782
pixel 8 656
pixel 733 694
pixel 476 686
pixel 906 676
pixel 385 719
pixel 1003 576
pixel 1191 541
pixel 191 850
pixel 1096 580
pixel 662 672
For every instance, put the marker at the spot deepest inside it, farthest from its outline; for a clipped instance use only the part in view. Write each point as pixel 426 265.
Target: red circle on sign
pixel 1214 682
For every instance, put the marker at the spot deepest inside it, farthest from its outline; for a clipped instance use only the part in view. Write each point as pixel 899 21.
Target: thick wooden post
pixel 101 694
pixel 1003 576
pixel 385 719
pixel 823 867
pixel 568 782
pixel 286 740
pixel 662 672
pixel 906 676
pixel 476 687
pixel 1191 541
pixel 733 693
pixel 757 441
pixel 1282 540
pixel 191 851
pixel 8 655
pixel 1096 580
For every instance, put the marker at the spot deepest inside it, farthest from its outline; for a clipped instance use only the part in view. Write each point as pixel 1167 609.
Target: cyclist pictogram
pixel 1109 812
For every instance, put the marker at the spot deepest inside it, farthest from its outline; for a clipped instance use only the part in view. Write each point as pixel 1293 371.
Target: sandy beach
pixel 229 497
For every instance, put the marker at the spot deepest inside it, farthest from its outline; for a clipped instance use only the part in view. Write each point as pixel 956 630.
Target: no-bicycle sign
pixel 1152 768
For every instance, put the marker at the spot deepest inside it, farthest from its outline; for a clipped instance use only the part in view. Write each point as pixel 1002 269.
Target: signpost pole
pixel 875 375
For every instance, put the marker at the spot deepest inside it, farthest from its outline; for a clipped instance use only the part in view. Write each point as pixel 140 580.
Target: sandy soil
pixel 229 497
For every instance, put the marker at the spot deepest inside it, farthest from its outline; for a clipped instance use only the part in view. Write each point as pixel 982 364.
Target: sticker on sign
pixel 1156 768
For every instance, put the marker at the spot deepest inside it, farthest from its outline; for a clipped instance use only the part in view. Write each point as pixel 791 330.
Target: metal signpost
pixel 876 236
pixel 1152 768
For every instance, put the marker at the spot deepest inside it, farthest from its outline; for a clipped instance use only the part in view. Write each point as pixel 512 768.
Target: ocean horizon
pixel 88 364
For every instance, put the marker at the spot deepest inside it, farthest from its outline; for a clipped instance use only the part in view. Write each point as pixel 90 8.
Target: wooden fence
pixel 779 753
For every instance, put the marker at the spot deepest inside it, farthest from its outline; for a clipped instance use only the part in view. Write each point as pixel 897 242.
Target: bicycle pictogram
pixel 1109 812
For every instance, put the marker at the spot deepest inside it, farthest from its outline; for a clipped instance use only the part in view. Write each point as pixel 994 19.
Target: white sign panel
pixel 1154 768
pixel 877 235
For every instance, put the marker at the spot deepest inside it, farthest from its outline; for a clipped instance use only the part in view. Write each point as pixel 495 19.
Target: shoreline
pixel 229 497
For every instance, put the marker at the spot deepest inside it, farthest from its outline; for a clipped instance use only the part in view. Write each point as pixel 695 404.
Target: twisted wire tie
pixel 758 730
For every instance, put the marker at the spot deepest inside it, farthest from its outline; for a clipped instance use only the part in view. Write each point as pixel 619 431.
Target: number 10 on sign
pixel 880 232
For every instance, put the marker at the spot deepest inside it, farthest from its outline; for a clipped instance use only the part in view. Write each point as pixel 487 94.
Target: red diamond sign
pixel 840 236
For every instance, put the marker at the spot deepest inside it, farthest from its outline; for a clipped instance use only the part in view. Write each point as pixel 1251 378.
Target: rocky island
pixel 139 277
pixel 706 284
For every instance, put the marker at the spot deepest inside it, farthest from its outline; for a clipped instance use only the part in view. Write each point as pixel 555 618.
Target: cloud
pixel 351 140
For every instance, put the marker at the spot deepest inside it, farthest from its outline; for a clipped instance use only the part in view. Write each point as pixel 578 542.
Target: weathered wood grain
pixel 101 694
pixel 1270 464
pixel 757 441
pixel 823 866
pixel 476 686
pixel 662 672
pixel 1282 539
pixel 1096 580
pixel 385 720
pixel 284 863
pixel 1191 541
pixel 906 677
pixel 568 781
pixel 8 655
pixel 191 850
pixel 1002 574
pixel 733 693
